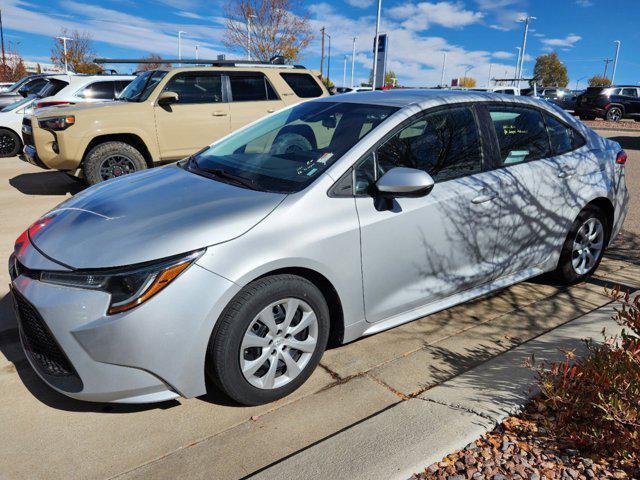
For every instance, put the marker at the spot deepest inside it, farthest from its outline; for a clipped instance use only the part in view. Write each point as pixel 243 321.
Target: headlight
pixel 57 123
pixel 128 288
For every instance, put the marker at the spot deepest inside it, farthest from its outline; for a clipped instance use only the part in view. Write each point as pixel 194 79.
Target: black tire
pixel 290 142
pixel 565 272
pixel 10 143
pixel 95 163
pixel 223 355
pixel 614 114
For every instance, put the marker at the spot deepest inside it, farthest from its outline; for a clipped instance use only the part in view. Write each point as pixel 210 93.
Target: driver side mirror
pixel 404 182
pixel 167 98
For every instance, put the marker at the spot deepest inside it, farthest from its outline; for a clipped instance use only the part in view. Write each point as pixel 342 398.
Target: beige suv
pixel 162 116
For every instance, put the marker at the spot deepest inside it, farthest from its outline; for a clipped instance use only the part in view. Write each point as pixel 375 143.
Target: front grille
pixel 27 138
pixel 39 342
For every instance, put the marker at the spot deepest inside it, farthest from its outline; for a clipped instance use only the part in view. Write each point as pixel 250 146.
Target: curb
pixel 406 438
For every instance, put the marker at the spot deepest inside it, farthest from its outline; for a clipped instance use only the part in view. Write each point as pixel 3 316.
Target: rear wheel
pixel 110 160
pixel 584 247
pixel 10 143
pixel 269 339
pixel 614 114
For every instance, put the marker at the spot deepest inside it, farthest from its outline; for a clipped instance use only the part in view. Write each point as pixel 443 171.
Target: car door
pixel 252 97
pixel 198 118
pixel 532 208
pixel 423 249
pixel 631 100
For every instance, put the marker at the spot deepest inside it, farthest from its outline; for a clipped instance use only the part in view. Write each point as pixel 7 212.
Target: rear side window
pixel 629 92
pixel 445 144
pixel 521 132
pixel 302 84
pixel 560 136
pixel 98 91
pixel 246 88
pixel 196 87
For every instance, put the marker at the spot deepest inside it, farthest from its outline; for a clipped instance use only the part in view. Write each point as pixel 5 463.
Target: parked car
pixel 30 85
pixel 59 90
pixel 4 86
pixel 242 261
pixel 563 97
pixel 163 115
pixel 610 103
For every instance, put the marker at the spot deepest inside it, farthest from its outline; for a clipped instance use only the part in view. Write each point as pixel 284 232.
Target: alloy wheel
pixel 7 144
pixel 115 166
pixel 587 246
pixel 614 114
pixel 279 343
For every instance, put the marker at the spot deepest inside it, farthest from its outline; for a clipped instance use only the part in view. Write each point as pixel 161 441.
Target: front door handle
pixel 271 110
pixel 566 173
pixel 219 114
pixel 484 197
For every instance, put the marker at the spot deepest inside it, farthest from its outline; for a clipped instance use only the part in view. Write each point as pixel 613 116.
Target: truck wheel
pixel 110 160
pixel 614 114
pixel 10 143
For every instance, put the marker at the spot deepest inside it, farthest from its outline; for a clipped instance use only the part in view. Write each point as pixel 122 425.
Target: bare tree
pixel 150 66
pixel 80 52
pixel 270 26
pixel 13 68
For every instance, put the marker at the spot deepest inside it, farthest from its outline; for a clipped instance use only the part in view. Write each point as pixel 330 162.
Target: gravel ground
pixel 623 124
pixel 519 450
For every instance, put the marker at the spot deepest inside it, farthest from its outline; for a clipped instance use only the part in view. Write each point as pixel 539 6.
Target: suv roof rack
pixel 276 62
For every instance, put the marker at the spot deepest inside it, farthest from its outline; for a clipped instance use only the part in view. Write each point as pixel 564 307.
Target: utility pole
pixel 249 16
pixel 180 33
pixel 526 21
pixel 64 47
pixel 607 61
pixel 444 68
pixel 344 71
pixel 375 47
pixel 489 80
pixel 322 54
pixel 197 47
pixel 515 75
pixel 615 62
pixel 353 59
pixel 4 59
pixel 329 60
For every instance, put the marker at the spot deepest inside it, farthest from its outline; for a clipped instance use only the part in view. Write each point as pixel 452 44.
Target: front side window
pixel 98 91
pixel 287 151
pixel 521 132
pixel 445 144
pixel 196 87
pixel 302 84
pixel 140 89
pixel 246 88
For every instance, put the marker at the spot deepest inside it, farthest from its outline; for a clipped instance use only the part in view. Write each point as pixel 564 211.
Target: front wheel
pixel 10 143
pixel 110 160
pixel 269 339
pixel 584 246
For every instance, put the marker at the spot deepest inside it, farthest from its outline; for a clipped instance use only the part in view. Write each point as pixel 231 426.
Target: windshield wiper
pixel 223 174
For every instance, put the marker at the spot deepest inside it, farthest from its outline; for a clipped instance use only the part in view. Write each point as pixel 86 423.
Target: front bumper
pixel 153 353
pixel 30 155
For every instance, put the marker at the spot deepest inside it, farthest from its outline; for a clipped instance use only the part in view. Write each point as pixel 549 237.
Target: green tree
pixel 390 79
pixel 599 81
pixel 549 71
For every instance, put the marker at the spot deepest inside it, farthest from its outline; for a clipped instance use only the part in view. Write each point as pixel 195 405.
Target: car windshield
pixel 17 85
pixel 287 151
pixel 140 89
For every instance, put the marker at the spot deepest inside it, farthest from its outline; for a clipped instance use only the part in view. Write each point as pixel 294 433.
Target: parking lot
pixel 208 437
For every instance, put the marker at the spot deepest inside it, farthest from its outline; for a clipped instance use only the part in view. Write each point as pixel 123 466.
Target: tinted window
pixel 121 85
pixel 140 89
pixel 629 92
pixel 246 88
pixel 521 134
pixel 561 136
pixel 302 84
pixel 35 85
pixel 196 87
pixel 445 144
pixel 98 90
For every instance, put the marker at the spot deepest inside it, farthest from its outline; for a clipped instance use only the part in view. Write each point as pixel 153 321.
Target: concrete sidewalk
pixel 415 433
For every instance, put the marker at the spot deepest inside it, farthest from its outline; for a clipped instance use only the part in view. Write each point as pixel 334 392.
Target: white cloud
pixel 565 43
pixel 503 15
pixel 584 3
pixel 502 55
pixel 360 3
pixel 420 16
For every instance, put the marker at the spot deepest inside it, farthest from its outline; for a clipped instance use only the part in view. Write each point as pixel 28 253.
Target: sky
pixel 482 34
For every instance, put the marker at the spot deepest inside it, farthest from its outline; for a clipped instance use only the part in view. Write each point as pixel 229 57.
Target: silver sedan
pixel 321 223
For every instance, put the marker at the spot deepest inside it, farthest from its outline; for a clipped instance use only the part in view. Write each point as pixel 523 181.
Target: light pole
pixel 344 71
pixel 375 47
pixel 615 62
pixel 197 47
pixel 467 70
pixel 353 59
pixel 180 33
pixel 515 75
pixel 249 17
pixel 64 47
pixel 578 81
pixel 489 79
pixel 526 21
pixel 444 67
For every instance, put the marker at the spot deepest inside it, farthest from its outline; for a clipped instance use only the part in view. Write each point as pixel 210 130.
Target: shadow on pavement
pixel 627 142
pixel 46 183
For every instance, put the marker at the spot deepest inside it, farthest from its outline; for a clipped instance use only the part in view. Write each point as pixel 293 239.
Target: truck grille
pixel 39 342
pixel 27 133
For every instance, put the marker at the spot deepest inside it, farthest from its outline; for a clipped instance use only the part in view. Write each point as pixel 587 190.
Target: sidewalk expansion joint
pixel 397 393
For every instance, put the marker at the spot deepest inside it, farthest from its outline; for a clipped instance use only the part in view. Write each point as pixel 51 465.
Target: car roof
pixel 91 78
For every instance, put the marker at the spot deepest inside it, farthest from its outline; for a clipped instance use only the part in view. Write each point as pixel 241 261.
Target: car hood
pixel 78 107
pixel 147 216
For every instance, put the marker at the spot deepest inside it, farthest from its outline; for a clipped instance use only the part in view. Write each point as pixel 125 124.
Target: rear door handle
pixel 219 114
pixel 484 197
pixel 566 173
